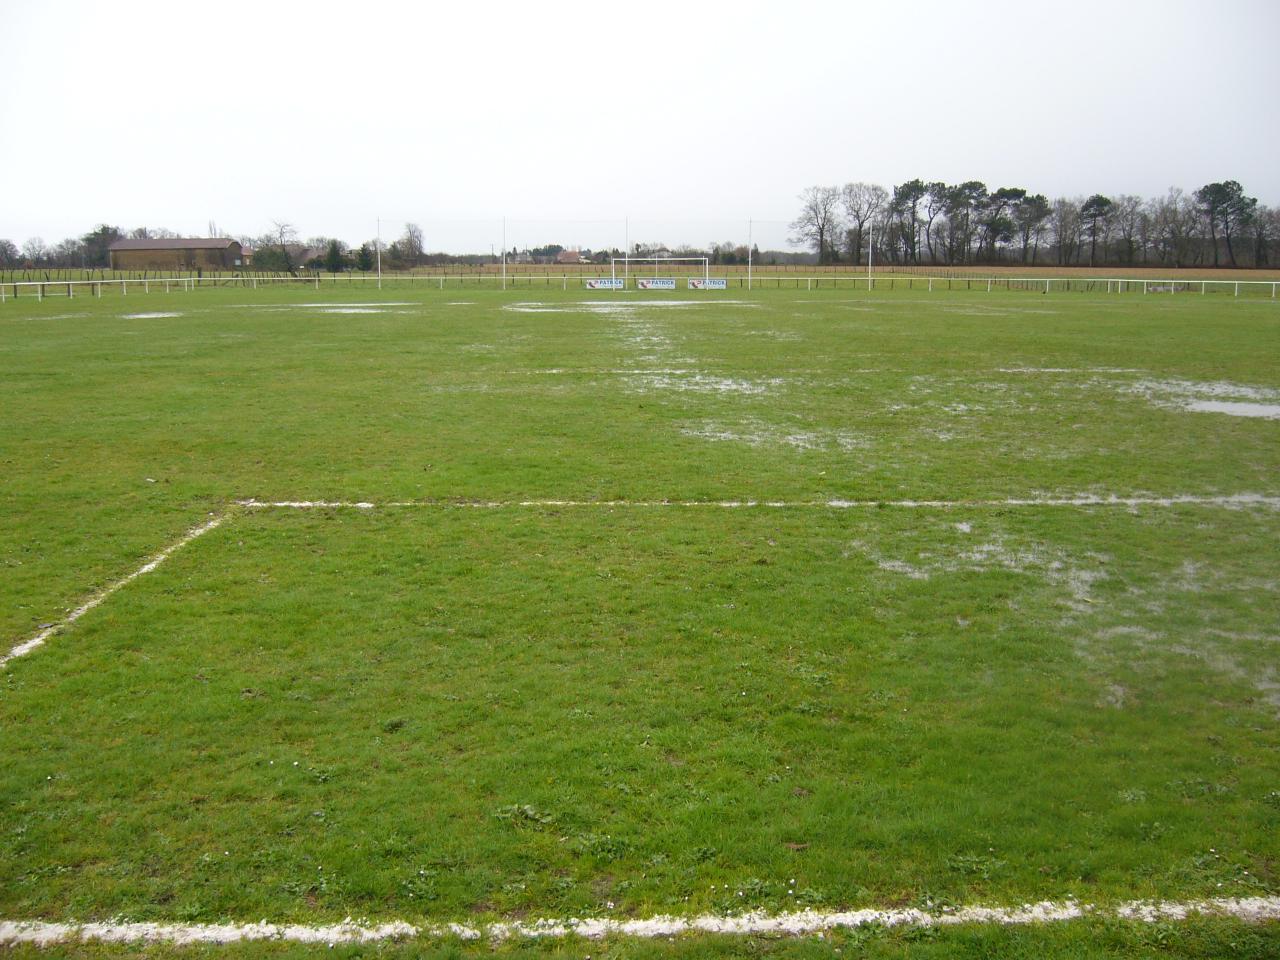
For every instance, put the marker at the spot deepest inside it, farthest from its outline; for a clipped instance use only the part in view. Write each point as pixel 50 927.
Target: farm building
pixel 179 253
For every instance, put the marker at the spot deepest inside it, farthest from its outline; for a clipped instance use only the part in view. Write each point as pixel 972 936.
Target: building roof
pixel 176 243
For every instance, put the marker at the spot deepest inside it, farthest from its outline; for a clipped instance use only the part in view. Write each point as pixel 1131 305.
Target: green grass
pixel 454 713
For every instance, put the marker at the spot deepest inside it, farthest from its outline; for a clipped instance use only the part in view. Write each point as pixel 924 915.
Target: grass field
pixel 761 602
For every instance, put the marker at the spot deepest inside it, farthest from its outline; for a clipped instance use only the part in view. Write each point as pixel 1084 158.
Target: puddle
pixel 379 303
pixel 148 316
pixel 618 307
pixel 1265 411
pixel 757 433
pixel 1074 576
pixel 704 383
pixel 1067 370
pixel 1215 396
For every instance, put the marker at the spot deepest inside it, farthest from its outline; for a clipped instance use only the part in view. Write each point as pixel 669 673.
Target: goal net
pixel 662 276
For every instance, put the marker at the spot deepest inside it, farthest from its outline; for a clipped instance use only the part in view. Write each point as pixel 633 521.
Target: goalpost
pixel 656 282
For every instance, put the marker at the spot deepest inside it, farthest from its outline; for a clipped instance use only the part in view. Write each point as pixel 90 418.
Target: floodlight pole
pixel 378 244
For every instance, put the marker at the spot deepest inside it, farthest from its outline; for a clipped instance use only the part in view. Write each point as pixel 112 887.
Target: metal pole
pixel 378 244
pixel 871 246
pixel 626 263
pixel 504 253
pixel 750 227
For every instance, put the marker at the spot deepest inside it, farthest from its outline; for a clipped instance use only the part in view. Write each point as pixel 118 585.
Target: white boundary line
pixel 38 640
pixel 42 933
pixel 1084 500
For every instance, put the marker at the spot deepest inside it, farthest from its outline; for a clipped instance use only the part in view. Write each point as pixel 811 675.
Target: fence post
pixel 988 286
pixel 931 284
pixel 70 295
pixel 124 288
pixel 1046 286
pixel 809 284
pixel 1202 288
pixel 1237 288
pixel 1144 286
pixel 146 286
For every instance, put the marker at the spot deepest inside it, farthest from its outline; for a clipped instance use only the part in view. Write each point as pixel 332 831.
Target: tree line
pixel 921 222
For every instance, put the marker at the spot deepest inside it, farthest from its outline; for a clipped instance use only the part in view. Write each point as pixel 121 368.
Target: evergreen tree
pixel 334 261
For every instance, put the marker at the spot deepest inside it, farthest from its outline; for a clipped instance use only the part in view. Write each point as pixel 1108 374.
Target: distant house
pixel 177 253
pixel 571 256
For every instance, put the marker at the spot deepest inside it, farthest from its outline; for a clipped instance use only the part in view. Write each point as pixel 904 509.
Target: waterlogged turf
pixel 453 712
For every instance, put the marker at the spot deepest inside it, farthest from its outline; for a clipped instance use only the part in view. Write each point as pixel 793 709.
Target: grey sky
pixel 686 118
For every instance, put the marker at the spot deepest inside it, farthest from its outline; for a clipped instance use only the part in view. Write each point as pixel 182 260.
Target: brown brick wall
pixel 205 259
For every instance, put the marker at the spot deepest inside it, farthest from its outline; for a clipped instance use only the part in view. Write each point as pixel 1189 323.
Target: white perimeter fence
pixel 40 289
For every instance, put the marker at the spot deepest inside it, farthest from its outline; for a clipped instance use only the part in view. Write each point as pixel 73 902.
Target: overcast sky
pixel 579 122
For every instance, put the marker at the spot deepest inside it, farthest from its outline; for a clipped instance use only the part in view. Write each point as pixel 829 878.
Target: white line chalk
pixel 42 933
pixel 38 640
pixel 1083 500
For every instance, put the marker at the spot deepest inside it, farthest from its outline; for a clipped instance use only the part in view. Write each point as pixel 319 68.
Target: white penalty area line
pixel 1084 500
pixel 802 923
pixel 1230 501
pixel 46 632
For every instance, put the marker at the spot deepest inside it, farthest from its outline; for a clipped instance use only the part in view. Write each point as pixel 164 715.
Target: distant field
pixel 760 270
pixel 551 604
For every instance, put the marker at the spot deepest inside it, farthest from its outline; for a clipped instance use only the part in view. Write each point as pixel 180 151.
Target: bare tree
pixel 69 253
pixel 1266 233
pixel 284 236
pixel 1174 221
pixel 35 249
pixel 863 205
pixel 8 253
pixel 818 221
pixel 1064 220
pixel 411 244
pixel 1126 217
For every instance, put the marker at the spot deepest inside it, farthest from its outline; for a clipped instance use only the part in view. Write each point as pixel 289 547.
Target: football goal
pixel 656 281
